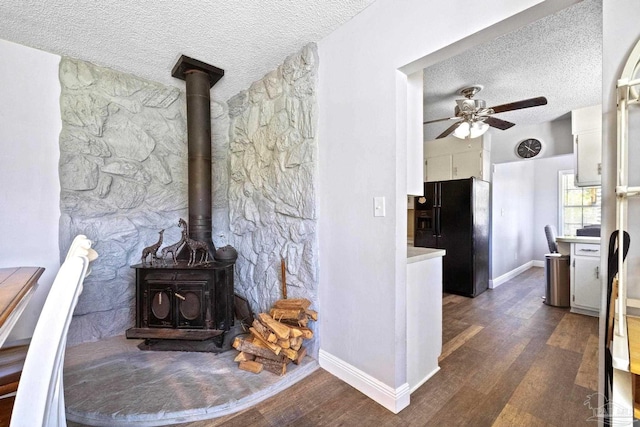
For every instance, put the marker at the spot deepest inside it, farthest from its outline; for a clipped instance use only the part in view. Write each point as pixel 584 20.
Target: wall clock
pixel 528 148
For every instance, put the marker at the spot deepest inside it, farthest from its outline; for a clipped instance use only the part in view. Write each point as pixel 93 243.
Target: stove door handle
pixel 180 296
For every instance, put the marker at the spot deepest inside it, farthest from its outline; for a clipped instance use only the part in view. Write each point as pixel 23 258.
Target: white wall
pixel 546 199
pixel 30 191
pixel 528 192
pixel 362 155
pixel 512 211
pixel 555 136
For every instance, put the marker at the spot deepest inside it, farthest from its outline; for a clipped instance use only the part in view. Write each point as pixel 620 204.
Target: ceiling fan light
pixel 462 131
pixel 468 130
pixel 478 129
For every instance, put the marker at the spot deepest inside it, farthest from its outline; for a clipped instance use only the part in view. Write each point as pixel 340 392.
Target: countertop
pixel 578 239
pixel 416 254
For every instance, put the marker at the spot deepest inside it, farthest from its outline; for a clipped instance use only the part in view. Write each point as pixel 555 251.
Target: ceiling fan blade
pixel 439 120
pixel 518 105
pixel 449 130
pixel 498 123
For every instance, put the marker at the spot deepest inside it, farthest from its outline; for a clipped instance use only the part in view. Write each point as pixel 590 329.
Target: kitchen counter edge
pixel 417 254
pixel 577 239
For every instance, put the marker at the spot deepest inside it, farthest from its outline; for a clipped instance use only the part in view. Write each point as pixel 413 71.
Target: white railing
pixel 627 95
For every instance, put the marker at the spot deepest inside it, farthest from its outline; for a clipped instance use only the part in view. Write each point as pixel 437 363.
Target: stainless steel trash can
pixel 557 275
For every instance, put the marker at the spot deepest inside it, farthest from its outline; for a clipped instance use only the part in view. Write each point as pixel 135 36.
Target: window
pixel 579 206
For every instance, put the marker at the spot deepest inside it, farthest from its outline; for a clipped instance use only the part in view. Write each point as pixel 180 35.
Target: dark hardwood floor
pixel 507 360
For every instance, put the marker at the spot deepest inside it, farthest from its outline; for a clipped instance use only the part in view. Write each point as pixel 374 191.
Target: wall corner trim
pixel 394 400
pixel 510 274
pixel 538 263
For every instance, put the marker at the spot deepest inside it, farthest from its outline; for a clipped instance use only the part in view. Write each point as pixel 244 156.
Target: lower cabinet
pixel 586 281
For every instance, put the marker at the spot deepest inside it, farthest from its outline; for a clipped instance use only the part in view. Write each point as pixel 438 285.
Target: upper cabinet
pixel 452 158
pixel 586 127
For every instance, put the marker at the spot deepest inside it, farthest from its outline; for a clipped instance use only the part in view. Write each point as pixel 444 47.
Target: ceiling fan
pixel 474 118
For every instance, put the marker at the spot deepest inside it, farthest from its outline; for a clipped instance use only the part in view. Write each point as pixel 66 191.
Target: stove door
pixel 160 303
pixel 191 305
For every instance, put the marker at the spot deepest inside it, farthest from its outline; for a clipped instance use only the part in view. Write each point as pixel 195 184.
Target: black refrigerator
pixel 454 215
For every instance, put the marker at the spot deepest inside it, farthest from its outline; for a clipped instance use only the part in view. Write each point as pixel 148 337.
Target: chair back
pixel 40 396
pixel 550 232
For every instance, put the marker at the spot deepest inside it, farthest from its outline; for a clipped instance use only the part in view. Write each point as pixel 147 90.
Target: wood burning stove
pixel 179 302
pixel 182 306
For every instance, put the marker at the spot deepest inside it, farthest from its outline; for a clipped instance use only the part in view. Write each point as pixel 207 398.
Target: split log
pixel 251 366
pixel 249 347
pixel 284 343
pixel 281 331
pixel 290 353
pixel 298 331
pixel 264 331
pixel 307 333
pixel 300 323
pixel 244 357
pixel 295 343
pixel 300 303
pixel 301 354
pixel 236 343
pixel 280 314
pixel 278 368
pixel 260 344
pixel 295 332
pixel 312 314
pixel 273 347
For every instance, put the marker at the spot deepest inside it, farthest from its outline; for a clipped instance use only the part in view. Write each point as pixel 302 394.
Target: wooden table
pixel 17 285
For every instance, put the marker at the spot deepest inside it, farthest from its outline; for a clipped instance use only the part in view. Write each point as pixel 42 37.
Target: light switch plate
pixel 378 206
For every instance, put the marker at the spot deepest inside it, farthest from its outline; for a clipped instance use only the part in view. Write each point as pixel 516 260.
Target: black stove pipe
pixel 199 146
pixel 200 78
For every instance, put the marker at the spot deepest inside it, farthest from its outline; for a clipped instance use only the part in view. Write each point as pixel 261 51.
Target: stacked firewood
pixel 276 338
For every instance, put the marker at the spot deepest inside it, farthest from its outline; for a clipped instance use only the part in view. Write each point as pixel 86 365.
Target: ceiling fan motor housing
pixel 468 106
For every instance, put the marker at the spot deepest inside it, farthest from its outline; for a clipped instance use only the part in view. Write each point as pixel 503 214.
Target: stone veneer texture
pixel 272 184
pixel 123 175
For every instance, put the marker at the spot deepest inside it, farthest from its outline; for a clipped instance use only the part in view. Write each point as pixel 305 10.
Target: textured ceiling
pixel 559 57
pixel 145 38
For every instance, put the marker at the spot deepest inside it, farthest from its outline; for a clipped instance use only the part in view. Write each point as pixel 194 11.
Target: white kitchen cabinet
pixel 586 127
pixel 466 165
pixel 453 158
pixel 588 152
pixel 439 168
pixel 585 278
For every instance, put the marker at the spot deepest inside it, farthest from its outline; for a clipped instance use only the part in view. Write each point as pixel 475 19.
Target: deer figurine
pixel 152 250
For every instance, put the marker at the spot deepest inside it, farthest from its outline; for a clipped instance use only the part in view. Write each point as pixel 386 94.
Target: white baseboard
pixel 538 263
pixel 394 400
pixel 585 311
pixel 424 380
pixel 509 275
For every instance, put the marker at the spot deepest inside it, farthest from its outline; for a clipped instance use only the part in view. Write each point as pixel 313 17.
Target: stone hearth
pixel 113 383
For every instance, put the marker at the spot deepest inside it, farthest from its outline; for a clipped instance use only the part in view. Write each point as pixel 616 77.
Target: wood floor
pixel 507 360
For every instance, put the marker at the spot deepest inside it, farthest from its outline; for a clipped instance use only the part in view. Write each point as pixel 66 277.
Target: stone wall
pixel 123 176
pixel 272 186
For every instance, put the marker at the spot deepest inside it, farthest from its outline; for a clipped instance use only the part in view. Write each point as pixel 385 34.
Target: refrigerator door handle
pixel 439 208
pixel 435 194
pixel 435 221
